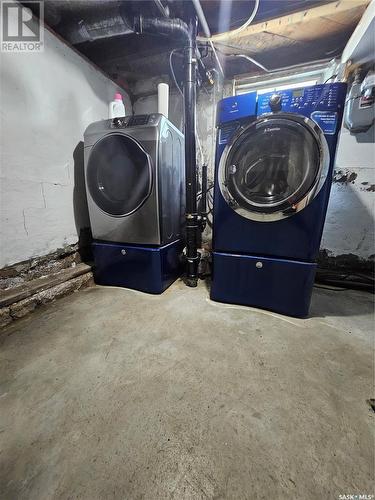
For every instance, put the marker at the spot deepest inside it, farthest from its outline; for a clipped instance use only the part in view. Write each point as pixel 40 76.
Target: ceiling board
pixel 230 14
pixel 305 17
pixel 322 26
pixel 284 32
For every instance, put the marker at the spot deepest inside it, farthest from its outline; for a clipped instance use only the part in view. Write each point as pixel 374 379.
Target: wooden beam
pixel 36 285
pixel 338 12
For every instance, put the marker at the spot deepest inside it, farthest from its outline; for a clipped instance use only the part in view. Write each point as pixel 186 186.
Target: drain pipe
pixel 192 224
pixel 188 32
pixel 157 26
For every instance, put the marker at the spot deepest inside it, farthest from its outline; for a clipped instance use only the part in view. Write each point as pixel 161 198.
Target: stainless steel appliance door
pixel 119 175
pixel 274 167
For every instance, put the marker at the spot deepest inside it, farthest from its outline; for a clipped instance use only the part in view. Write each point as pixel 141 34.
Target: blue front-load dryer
pixel 272 182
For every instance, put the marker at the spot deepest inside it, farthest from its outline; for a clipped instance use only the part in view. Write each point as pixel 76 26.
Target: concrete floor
pixel 110 393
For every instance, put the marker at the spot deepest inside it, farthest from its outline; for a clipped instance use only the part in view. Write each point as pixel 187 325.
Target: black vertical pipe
pixel 192 227
pixel 187 33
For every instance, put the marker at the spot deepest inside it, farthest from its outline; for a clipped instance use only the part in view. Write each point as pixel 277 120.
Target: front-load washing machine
pixel 272 184
pixel 134 172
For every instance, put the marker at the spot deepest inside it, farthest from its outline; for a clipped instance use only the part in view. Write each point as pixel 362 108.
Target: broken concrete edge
pixel 32 287
pixel 33 262
pixel 23 307
pixel 345 263
pixel 21 272
pixel 50 267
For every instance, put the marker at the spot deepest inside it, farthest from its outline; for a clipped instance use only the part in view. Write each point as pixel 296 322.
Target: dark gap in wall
pixel 81 211
pixel 346 262
pixel 30 269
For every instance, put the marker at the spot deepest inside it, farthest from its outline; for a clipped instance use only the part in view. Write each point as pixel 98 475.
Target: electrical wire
pixel 245 56
pixel 337 275
pixel 207 190
pixel 252 60
pixel 248 58
pixel 172 70
pixel 209 208
pixel 336 281
pixel 231 33
pixel 323 93
pixel 273 70
pixel 219 36
pixel 218 62
pixel 207 33
pixel 330 78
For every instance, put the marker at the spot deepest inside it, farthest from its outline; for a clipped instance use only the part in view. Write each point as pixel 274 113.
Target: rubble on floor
pixel 27 285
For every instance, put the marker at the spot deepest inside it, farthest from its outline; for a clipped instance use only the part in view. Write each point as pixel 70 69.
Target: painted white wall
pixel 349 227
pixel 47 100
pixel 206 122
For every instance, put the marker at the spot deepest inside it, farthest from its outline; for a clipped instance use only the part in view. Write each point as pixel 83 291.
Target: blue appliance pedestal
pixel 273 172
pixel 280 285
pixel 147 269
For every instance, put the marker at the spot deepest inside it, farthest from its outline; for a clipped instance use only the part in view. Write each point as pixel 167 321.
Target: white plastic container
pixel 116 107
pixel 163 99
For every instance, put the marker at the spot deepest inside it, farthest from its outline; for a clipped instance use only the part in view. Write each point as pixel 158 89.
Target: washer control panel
pixel 327 97
pixel 322 103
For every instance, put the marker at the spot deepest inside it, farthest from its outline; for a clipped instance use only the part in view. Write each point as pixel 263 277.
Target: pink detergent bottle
pixel 116 107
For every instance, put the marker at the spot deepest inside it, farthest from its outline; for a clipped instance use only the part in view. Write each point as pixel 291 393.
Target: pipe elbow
pixel 157 26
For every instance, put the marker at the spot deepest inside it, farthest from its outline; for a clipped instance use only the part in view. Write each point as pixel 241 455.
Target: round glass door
pixel 273 167
pixel 119 175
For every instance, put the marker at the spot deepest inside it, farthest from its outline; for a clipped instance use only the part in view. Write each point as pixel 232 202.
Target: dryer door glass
pixel 272 165
pixel 119 175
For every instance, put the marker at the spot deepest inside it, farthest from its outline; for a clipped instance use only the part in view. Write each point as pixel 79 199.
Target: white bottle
pixel 116 107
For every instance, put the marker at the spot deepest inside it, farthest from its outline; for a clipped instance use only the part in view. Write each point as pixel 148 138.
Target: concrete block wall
pixel 47 100
pixel 349 229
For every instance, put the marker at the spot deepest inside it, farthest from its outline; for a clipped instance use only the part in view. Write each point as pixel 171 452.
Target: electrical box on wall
pixel 360 109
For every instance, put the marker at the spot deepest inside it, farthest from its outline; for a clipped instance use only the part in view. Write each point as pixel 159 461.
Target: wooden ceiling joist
pixel 309 23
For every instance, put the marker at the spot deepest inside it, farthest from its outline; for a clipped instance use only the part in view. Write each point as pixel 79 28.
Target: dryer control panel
pixel 134 121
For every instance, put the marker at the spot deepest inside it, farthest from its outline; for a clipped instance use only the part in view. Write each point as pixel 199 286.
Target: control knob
pixel 275 102
pixel 118 122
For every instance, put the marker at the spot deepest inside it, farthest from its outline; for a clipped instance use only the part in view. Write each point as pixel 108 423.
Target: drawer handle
pixel 259 265
pixel 123 251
